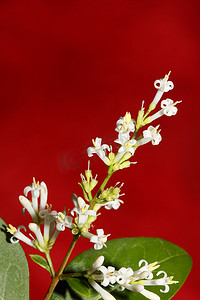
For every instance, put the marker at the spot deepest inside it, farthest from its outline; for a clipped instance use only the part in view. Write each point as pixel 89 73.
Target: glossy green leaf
pixel 127 252
pixel 14 273
pixel 41 261
pixel 80 286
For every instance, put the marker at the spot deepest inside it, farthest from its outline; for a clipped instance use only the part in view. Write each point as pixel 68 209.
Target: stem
pixel 103 185
pixel 56 279
pixel 72 275
pixel 48 257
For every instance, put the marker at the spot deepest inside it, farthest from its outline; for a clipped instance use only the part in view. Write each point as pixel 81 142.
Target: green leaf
pixel 14 273
pixel 80 286
pixel 40 260
pixel 127 252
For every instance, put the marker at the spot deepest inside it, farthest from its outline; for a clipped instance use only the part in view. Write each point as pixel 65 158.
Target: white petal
pixel 104 294
pixel 100 232
pixel 150 295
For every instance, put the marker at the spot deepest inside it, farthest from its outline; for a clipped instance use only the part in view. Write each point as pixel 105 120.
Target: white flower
pixel 124 275
pixel 18 235
pixel 165 280
pixel 109 275
pixel 99 150
pixel 99 240
pixel 163 85
pixel 149 268
pixel 64 221
pixel 168 107
pixel 113 204
pixel 125 124
pixel 82 209
pixel 37 190
pixel 126 144
pixel 150 135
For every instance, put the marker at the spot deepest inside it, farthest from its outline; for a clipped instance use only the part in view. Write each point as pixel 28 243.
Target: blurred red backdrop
pixel 68 71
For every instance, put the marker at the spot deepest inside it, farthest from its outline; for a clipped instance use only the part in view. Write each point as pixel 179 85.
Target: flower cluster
pixel 46 223
pixel 126 278
pixel 41 214
pixel 128 128
pixel 52 221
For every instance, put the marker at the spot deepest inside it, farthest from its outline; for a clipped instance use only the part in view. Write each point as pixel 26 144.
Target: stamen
pixel 95 145
pixel 62 215
pixel 128 145
pixel 34 183
pixel 169 280
pixel 154 266
pixel 83 209
pixel 155 129
pixel 11 229
pixel 127 117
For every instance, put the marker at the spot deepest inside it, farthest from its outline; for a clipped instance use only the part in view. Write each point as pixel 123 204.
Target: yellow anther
pixel 153 266
pixel 128 145
pixel 83 209
pixel 169 280
pixel 177 102
pixel 124 126
pixel 62 215
pixel 95 145
pixel 34 183
pixel 155 129
pixel 11 229
pixel 167 76
pixel 127 117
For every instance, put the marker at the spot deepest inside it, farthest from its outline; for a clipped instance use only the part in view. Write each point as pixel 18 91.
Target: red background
pixel 68 71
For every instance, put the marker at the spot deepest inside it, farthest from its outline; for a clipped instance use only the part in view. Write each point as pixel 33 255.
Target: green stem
pixel 72 275
pixel 93 202
pixel 56 279
pixel 48 257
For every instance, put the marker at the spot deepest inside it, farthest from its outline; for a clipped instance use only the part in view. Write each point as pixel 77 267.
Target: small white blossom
pixel 126 145
pixel 37 190
pixel 99 150
pixel 113 204
pixel 82 209
pixel 99 240
pixel 18 235
pixel 150 135
pixel 169 108
pixel 125 124
pixel 123 276
pixel 64 221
